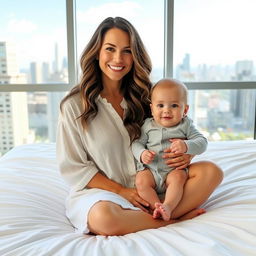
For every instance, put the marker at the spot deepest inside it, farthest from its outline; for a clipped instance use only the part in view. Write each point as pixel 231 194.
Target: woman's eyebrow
pixel 110 44
pixel 113 45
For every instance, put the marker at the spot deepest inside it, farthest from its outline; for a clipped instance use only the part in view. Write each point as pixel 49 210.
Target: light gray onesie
pixel 156 138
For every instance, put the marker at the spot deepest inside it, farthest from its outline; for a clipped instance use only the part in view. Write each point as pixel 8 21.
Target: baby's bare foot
pixel 163 211
pixel 156 213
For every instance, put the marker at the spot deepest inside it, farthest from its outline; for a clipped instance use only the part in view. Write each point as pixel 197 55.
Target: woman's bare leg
pixel 109 219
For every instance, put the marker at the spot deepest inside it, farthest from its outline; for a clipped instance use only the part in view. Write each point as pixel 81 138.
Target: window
pixel 146 16
pixel 200 42
pixel 213 50
pixel 39 27
pixel 214 40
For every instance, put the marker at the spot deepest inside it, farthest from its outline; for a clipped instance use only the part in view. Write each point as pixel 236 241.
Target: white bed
pixel 33 221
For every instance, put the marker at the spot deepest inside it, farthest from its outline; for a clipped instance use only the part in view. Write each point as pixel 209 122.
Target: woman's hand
pixel 177 161
pixel 132 196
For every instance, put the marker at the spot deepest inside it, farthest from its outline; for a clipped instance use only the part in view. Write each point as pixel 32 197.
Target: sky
pixel 211 31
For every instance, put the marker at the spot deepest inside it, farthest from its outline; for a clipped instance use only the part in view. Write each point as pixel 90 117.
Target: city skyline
pixel 201 28
pixel 201 72
pixel 218 113
pixel 214 112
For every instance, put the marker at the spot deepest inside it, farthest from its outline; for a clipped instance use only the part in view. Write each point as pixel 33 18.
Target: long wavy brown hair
pixel 135 86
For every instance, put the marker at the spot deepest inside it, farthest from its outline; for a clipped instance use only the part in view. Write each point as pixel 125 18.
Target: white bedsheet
pixel 33 221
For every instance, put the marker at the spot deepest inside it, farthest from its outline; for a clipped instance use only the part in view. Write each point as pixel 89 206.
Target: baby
pixel 169 127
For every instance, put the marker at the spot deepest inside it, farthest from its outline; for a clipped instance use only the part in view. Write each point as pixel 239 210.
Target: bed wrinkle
pixel 33 220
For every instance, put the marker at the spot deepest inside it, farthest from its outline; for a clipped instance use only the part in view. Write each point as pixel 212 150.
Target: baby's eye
pixel 160 105
pixel 174 105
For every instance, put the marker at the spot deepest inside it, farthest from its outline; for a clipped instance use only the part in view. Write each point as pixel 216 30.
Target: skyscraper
pixel 13 105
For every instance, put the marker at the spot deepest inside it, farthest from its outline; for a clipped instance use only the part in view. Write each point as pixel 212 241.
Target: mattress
pixel 33 221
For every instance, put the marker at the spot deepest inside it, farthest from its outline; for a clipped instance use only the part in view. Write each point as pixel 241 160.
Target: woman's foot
pixel 192 214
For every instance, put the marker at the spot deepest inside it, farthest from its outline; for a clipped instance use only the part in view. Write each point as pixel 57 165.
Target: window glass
pixel 33 38
pixel 223 114
pixel 28 117
pixel 214 40
pixel 147 16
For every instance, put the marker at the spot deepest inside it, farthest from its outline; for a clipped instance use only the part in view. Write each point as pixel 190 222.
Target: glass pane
pixel 214 40
pixel 28 118
pixel 146 15
pixel 33 38
pixel 224 114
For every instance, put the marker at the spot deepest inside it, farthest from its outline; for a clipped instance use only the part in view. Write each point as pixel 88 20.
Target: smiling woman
pixel 115 58
pixel 147 16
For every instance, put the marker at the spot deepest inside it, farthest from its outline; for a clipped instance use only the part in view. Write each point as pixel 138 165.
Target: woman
pixel 99 119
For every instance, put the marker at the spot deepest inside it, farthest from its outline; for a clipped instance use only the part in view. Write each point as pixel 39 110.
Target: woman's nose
pixel 118 56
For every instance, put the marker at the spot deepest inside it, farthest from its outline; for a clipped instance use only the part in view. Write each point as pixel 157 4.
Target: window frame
pixel 72 61
pixel 168 60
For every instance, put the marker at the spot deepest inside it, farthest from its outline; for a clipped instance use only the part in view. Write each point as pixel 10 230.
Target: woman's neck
pixel 111 89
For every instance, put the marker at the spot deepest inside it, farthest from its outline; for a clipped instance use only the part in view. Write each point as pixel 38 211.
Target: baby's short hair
pixel 173 82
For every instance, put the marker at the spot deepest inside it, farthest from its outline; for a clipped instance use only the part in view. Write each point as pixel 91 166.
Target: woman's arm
pixel 102 182
pixel 75 166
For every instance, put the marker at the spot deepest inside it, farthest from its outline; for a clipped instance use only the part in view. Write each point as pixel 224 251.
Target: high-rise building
pixel 240 98
pixel 56 63
pixel 45 72
pixel 13 105
pixel 35 73
pixel 244 70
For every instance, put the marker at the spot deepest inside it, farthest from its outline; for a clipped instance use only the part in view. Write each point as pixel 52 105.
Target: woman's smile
pixel 116 68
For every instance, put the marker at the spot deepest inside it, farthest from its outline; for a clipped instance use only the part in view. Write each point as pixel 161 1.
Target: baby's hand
pixel 178 146
pixel 147 156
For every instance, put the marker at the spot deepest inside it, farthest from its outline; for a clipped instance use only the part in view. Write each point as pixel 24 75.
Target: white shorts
pixel 78 205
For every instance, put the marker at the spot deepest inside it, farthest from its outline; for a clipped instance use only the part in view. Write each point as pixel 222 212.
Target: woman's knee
pixel 208 171
pixel 103 218
pixel 214 172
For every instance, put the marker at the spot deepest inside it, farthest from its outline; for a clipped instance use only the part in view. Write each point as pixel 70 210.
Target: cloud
pixel 21 26
pixel 95 14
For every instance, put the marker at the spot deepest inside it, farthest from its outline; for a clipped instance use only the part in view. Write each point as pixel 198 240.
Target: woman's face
pixel 115 57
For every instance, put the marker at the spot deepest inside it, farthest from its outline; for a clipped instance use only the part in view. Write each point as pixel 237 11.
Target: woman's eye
pixel 110 49
pixel 127 51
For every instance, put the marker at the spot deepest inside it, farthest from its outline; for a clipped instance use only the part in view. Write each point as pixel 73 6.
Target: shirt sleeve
pixel 75 167
pixel 196 142
pixel 139 145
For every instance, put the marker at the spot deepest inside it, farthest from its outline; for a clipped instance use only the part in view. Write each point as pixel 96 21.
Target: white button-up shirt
pixel 104 146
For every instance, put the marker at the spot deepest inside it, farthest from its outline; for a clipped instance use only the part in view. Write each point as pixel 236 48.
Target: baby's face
pixel 168 106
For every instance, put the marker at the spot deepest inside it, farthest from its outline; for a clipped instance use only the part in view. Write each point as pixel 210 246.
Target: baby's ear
pixel 186 110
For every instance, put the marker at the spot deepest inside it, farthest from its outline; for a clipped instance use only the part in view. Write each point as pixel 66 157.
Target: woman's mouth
pixel 116 68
